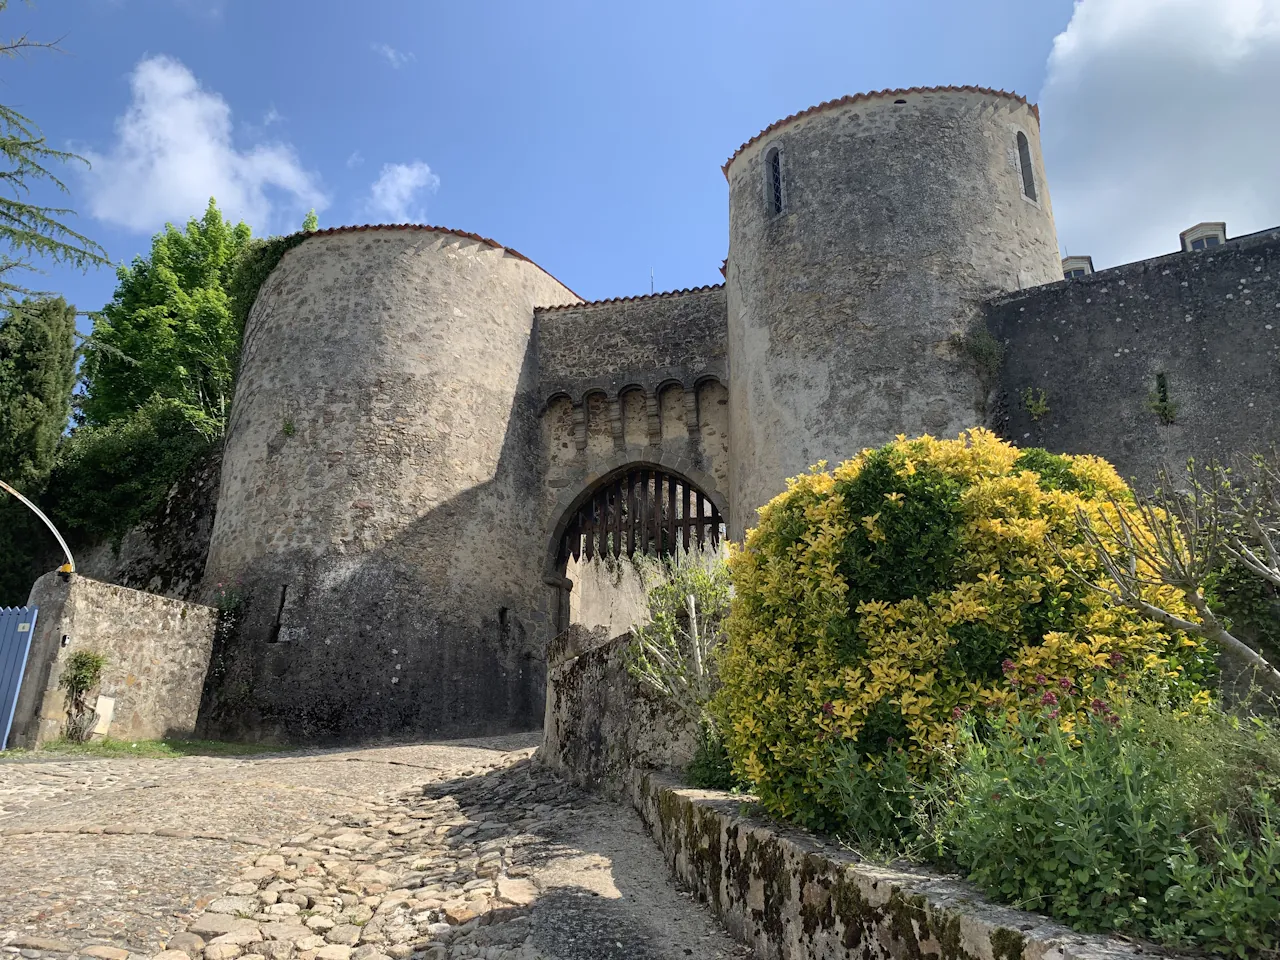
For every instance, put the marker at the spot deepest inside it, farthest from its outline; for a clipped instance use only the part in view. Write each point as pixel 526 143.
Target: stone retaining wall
pixel 790 896
pixel 600 723
pixel 157 653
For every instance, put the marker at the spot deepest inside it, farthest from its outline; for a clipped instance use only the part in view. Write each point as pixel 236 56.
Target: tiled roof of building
pixel 872 95
pixel 428 228
pixel 642 296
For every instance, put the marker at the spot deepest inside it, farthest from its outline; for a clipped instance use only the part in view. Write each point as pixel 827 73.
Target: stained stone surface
pixel 458 849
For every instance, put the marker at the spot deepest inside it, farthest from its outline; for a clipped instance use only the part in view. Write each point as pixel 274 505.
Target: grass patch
pixel 110 747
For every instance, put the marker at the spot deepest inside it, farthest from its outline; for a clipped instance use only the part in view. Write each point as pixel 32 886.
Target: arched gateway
pixel 641 509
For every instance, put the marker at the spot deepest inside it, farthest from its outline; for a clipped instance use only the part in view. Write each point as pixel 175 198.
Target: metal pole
pixel 71 564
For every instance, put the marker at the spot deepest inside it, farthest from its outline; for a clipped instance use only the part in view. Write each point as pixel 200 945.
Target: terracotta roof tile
pixel 360 228
pixel 642 296
pixel 875 94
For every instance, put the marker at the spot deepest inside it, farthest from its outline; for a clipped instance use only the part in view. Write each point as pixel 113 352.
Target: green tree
pixel 169 331
pixel 37 375
pixel 311 223
pixel 30 229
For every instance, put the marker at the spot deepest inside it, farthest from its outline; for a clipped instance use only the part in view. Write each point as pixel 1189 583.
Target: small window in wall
pixel 1204 236
pixel 1077 266
pixel 1024 164
pixel 773 181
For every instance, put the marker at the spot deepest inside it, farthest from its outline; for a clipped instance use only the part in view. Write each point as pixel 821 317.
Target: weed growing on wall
pixel 81 674
pixel 1036 402
pixel 880 605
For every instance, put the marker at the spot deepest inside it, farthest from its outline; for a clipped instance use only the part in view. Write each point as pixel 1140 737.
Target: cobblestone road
pixel 457 849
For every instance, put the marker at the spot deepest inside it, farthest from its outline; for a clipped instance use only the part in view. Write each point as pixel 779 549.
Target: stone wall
pixel 903 211
pixel 165 554
pixel 645 342
pixel 157 651
pixel 1203 326
pixel 600 723
pixel 791 896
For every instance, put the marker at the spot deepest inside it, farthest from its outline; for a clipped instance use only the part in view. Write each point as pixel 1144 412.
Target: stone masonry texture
pixel 157 650
pixel 379 468
pixel 1205 323
pixel 901 214
pixel 420 414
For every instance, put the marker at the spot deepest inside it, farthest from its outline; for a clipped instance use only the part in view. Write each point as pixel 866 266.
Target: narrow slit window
pixel 773 188
pixel 1024 162
pixel 274 637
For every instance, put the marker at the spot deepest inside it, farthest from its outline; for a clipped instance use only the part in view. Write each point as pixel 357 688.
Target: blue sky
pixel 589 136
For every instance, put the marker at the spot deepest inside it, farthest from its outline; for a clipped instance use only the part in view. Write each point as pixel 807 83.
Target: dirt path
pixel 457 849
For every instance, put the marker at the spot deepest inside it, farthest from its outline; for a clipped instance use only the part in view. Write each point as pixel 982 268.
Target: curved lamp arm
pixel 71 564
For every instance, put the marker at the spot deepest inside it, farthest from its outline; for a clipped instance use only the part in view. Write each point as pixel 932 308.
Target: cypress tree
pixel 37 375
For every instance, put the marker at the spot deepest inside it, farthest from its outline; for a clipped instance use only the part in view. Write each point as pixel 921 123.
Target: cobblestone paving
pixel 425 852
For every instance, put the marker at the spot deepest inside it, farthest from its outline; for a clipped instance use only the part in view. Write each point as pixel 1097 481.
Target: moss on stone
pixel 1007 944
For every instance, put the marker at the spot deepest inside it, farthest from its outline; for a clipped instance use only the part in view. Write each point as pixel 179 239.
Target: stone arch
pixel 570 502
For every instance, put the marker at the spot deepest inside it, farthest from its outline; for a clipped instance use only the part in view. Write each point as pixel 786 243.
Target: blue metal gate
pixel 17 624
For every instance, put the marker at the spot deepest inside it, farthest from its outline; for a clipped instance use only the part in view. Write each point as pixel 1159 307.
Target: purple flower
pixel 957 713
pixel 1041 679
pixel 828 708
pixel 1050 698
pixel 1007 666
pixel 1098 706
pixel 1117 658
pixel 1064 683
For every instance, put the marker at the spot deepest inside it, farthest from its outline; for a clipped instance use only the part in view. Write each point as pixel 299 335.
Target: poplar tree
pixel 169 331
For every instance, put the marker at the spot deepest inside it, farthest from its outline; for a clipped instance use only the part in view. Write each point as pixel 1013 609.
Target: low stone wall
pixel 600 723
pixel 790 896
pixel 157 653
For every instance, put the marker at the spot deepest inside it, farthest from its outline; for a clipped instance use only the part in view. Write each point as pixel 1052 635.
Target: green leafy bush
pixel 710 768
pixel 110 478
pixel 878 605
pixel 1157 823
pixel 81 673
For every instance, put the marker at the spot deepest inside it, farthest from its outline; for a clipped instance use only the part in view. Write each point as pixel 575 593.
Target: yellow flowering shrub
pixel 877 603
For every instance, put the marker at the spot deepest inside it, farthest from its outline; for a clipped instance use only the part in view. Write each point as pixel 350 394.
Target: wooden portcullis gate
pixel 645 510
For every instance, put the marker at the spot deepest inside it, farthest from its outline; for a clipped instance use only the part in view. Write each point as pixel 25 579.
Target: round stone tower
pixel 374 530
pixel 864 235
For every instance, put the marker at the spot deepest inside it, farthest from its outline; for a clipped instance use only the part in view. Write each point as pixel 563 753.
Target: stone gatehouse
pixel 428 428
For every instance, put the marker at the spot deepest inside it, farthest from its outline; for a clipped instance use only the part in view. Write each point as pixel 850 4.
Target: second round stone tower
pixel 377 542
pixel 864 234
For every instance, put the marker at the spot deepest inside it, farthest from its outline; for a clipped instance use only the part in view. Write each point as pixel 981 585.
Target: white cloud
pixel 1159 114
pixel 396 58
pixel 355 160
pixel 174 150
pixel 395 194
pixel 272 116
